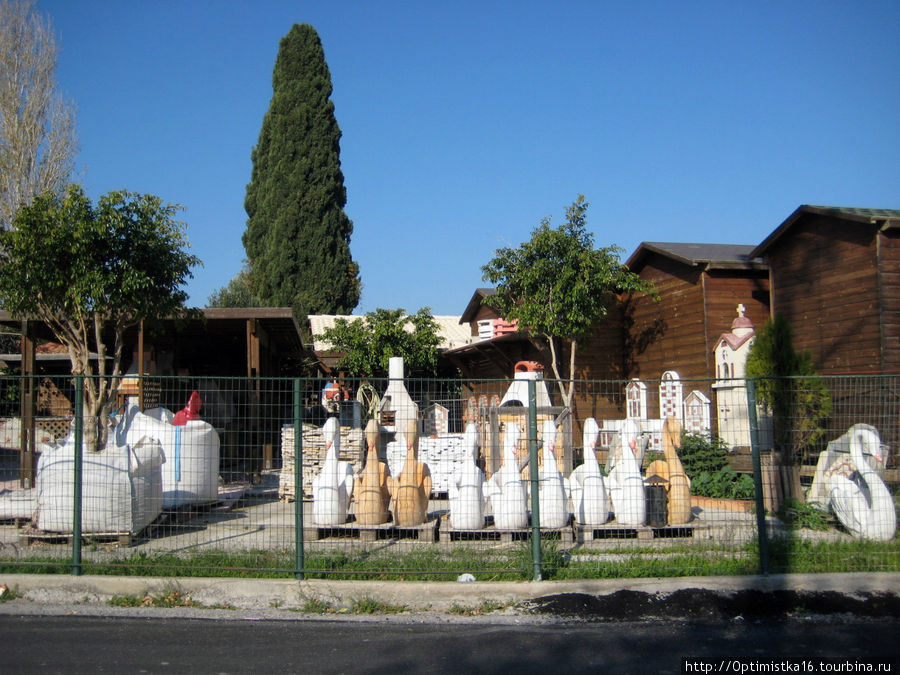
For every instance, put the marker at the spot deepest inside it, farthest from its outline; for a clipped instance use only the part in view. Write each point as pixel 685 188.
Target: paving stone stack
pixel 352 450
pixel 444 455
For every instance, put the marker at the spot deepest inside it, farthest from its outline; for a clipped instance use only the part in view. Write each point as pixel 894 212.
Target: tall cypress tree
pixel 298 236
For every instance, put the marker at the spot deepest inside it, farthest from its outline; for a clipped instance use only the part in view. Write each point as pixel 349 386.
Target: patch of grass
pixel 486 607
pixel 799 515
pixel 435 563
pixel 316 606
pixel 7 593
pixel 170 599
pixel 367 605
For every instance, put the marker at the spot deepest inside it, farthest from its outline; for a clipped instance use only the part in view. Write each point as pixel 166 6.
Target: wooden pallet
pixel 425 533
pixel 614 531
pixel 30 535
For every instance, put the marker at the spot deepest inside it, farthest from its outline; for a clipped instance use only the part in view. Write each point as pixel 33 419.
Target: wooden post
pixel 27 404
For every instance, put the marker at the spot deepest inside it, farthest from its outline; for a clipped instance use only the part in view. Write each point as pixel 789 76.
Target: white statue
pixel 466 492
pixel 626 485
pixel 861 501
pixel 333 487
pixel 506 487
pixel 551 491
pixel 588 489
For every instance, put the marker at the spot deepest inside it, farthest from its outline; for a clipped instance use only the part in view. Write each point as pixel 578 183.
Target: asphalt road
pixel 78 644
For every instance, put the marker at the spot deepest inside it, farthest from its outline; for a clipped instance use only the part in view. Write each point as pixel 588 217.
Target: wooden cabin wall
pixel 725 289
pixel 825 283
pixel 889 267
pixel 669 334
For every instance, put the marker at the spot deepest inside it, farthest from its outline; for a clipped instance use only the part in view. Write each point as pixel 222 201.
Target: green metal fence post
pixel 298 482
pixel 761 528
pixel 534 481
pixel 76 501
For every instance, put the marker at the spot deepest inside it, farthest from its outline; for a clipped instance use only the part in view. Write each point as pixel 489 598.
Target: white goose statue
pixel 466 492
pixel 506 487
pixel 626 485
pixel 333 487
pixel 551 487
pixel 587 487
pixel 862 502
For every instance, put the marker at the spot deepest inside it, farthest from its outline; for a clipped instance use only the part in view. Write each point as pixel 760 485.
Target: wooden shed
pixel 699 287
pixel 834 274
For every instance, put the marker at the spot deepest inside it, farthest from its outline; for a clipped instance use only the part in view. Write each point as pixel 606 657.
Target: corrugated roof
pixel 713 255
pixel 451 332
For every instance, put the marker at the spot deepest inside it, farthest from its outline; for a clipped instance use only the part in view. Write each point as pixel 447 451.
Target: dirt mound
pixel 702 604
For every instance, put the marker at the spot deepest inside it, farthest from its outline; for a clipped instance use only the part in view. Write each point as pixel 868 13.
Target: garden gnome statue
pixel 467 489
pixel 506 487
pixel 552 492
pixel 588 489
pixel 333 487
pixel 626 485
pixel 412 488
pixel 679 485
pixel 372 495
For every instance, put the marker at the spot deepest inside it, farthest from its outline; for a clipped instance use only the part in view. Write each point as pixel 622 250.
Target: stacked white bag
pixel 191 472
pixel 121 487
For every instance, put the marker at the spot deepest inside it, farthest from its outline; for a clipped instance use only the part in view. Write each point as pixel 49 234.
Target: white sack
pixel 191 472
pixel 121 487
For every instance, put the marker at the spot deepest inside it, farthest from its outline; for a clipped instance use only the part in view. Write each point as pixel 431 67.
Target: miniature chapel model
pixel 731 352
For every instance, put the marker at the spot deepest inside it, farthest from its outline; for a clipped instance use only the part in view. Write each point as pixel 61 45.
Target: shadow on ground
pixel 701 604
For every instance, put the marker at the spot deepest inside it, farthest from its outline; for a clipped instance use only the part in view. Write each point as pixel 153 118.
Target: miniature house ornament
pixel 731 352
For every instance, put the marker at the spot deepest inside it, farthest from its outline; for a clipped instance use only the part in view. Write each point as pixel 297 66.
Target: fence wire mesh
pixel 432 479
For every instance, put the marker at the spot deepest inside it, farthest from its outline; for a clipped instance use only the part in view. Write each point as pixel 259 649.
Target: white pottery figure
pixel 589 498
pixel 626 485
pixel 466 491
pixel 507 489
pixel 551 490
pixel 333 487
pixel 862 501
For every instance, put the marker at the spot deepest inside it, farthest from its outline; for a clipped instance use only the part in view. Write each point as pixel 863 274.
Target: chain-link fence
pixel 407 478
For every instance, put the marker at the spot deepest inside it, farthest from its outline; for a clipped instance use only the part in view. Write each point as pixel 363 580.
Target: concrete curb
pixel 288 594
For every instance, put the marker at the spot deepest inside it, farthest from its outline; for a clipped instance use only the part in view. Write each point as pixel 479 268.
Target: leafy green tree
pixel 237 293
pixel 298 236
pixel 789 387
pixel 91 271
pixel 369 342
pixel 557 285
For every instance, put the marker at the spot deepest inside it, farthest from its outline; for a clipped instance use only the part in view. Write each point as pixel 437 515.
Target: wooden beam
pixel 28 402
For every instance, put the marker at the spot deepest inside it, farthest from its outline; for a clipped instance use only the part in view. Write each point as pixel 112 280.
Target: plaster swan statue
pixel 678 485
pixel 588 489
pixel 411 490
pixel 862 502
pixel 626 485
pixel 466 492
pixel 507 489
pixel 372 495
pixel 333 487
pixel 551 487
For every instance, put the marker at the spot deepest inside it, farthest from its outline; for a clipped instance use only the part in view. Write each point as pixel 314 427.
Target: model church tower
pixel 731 352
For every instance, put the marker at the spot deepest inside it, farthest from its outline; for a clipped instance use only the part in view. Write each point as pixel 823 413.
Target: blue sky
pixel 465 123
